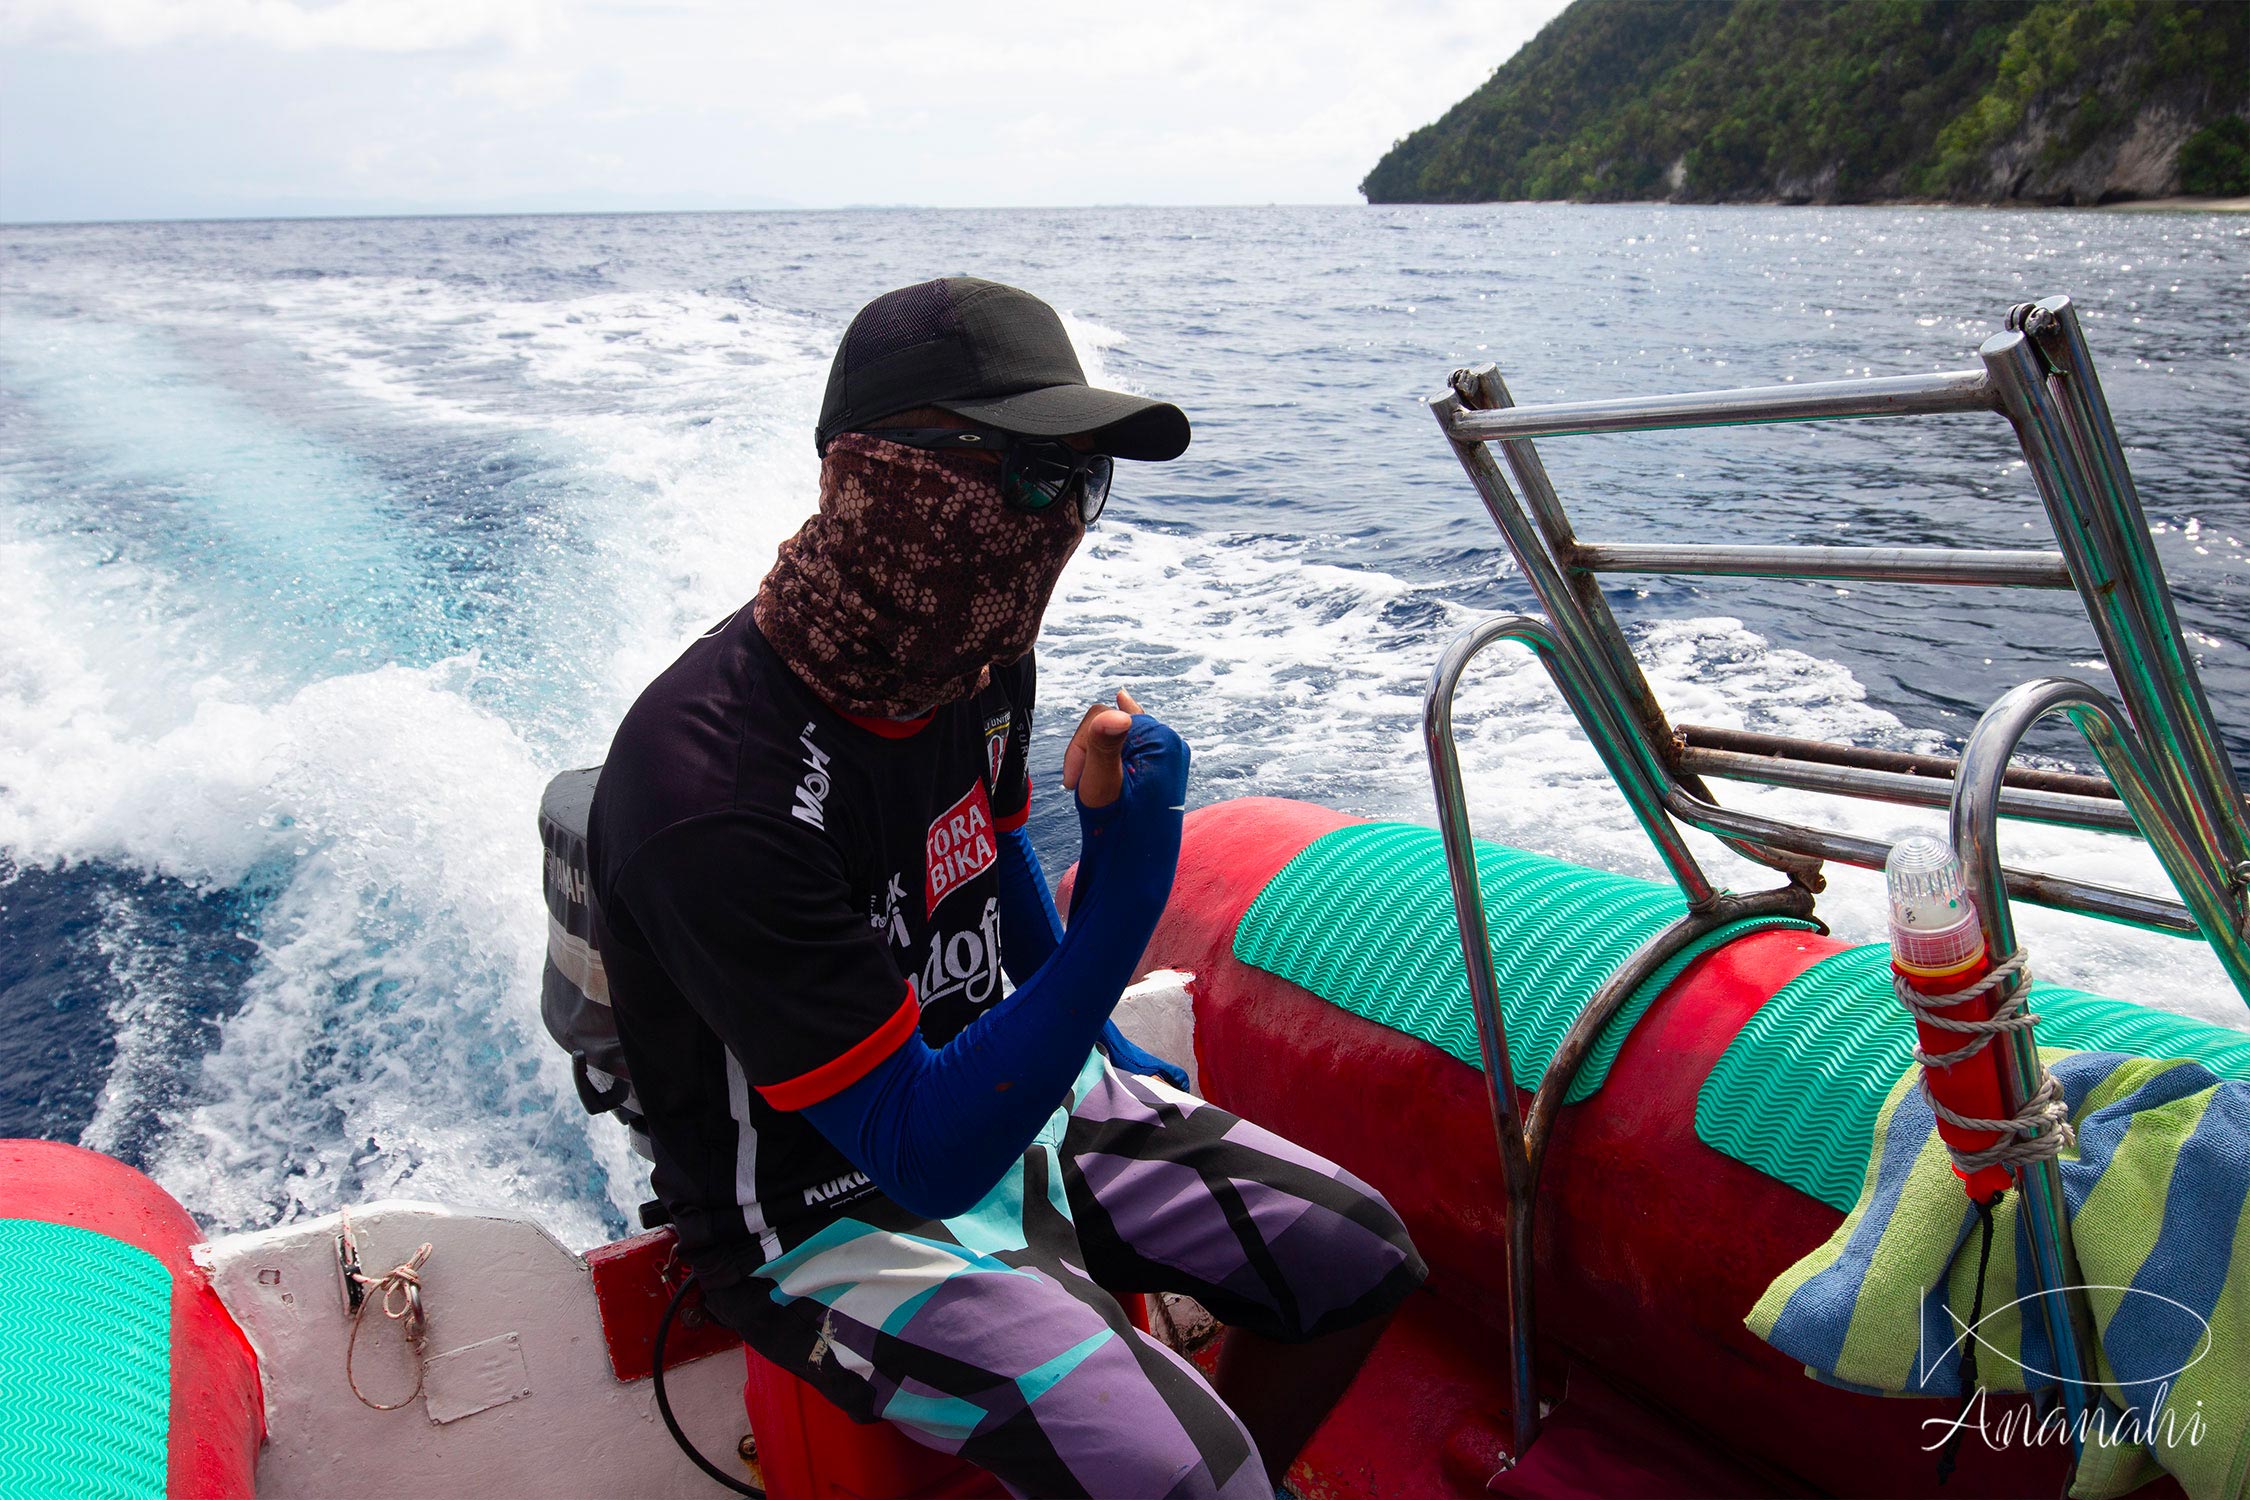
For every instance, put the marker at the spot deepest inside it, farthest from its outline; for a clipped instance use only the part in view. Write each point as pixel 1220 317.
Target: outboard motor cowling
pixel 574 988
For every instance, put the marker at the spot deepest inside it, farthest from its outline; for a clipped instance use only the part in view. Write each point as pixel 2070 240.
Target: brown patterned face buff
pixel 913 579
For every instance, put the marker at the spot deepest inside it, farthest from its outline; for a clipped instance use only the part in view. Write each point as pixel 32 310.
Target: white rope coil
pixel 2041 1128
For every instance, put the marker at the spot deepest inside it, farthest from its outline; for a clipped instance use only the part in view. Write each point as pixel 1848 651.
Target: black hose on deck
pixel 664 1404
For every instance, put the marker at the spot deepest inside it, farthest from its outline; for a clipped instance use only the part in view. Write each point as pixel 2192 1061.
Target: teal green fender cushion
pixel 1363 918
pixel 1797 1092
pixel 85 1364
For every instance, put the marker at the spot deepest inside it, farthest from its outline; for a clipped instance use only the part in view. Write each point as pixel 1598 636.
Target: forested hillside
pixel 1839 101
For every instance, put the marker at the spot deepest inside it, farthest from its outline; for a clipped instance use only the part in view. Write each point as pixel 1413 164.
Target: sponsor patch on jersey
pixel 960 846
pixel 996 746
pixel 887 917
pixel 834 1188
pixel 812 792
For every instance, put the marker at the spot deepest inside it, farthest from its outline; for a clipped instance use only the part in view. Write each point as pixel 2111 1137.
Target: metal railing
pixel 1523 1134
pixel 2169 777
pixel 1974 826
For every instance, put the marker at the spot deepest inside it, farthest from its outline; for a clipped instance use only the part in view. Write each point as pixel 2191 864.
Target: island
pixel 2057 102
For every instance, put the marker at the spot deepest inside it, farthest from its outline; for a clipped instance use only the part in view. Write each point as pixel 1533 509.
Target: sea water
pixel 323 544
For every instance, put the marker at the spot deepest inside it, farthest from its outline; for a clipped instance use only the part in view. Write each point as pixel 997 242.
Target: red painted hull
pixel 1651 1245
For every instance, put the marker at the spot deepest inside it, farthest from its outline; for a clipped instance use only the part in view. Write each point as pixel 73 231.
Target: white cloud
pixel 557 103
pixel 516 86
pixel 356 25
pixel 851 106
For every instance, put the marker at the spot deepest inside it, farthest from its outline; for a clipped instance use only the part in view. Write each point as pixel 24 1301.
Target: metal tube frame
pixel 2044 375
pixel 1884 396
pixel 1661 801
pixel 1975 828
pixel 2185 799
pixel 1945 768
pixel 2112 903
pixel 1581 615
pixel 1522 1135
pixel 1546 549
pixel 2123 754
pixel 2040 377
pixel 1639 776
pixel 2103 814
pixel 1956 566
pixel 2054 325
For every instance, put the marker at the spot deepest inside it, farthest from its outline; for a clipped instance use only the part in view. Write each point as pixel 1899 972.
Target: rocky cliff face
pixel 2141 162
pixel 1826 101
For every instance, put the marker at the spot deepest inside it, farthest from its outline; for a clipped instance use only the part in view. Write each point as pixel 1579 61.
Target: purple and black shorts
pixel 991 1334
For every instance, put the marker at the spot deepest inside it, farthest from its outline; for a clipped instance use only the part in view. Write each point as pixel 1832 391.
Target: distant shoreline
pixel 2191 205
pixel 2182 204
pixel 2136 205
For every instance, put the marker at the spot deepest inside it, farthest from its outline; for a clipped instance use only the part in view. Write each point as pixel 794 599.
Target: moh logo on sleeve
pixel 960 845
pixel 812 792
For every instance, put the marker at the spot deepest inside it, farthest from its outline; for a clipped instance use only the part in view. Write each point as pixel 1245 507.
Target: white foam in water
pixel 697 409
pixel 1288 680
pixel 387 1039
pixel 389 1026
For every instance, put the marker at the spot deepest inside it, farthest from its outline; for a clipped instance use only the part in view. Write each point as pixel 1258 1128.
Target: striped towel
pixel 2158 1192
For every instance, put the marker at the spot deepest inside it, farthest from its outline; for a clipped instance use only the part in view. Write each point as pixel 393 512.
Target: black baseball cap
pixel 990 353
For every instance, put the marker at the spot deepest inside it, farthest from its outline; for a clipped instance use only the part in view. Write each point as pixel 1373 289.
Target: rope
pixel 1950 1455
pixel 2041 1128
pixel 401 1291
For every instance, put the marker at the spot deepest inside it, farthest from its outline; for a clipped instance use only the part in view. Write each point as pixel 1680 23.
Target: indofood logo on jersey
pixel 960 846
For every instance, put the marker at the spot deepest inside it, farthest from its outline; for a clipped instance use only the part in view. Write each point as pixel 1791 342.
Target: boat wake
pixel 308 583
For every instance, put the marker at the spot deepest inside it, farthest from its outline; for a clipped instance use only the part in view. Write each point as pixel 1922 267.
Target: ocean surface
pixel 323 544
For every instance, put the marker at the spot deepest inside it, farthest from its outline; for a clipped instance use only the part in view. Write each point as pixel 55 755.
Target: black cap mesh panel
pixel 912 315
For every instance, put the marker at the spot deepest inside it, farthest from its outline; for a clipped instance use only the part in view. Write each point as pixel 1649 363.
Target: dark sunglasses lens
pixel 1028 484
pixel 1096 493
pixel 1034 479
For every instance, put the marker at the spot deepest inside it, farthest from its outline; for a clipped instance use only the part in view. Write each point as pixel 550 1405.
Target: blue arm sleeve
pixel 935 1128
pixel 1030 931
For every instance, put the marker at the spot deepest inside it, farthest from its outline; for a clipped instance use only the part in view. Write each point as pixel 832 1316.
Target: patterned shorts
pixel 990 1335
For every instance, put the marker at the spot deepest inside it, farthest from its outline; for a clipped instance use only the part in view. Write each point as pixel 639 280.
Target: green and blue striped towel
pixel 2158 1193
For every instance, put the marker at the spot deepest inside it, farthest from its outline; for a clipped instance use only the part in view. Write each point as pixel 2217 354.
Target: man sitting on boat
pixel 811 869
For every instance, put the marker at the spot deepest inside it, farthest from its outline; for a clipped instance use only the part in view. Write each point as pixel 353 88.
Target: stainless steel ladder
pixel 2168 775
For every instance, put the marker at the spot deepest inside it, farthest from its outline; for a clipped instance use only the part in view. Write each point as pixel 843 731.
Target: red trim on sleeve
pixel 840 1073
pixel 889 729
pixel 1020 816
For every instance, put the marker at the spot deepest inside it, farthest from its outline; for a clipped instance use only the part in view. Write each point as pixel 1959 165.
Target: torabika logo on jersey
pixel 960 845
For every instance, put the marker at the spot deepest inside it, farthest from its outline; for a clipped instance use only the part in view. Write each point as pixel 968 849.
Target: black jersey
pixel 784 892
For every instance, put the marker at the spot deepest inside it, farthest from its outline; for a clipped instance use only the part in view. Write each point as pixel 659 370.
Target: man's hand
pixel 1094 765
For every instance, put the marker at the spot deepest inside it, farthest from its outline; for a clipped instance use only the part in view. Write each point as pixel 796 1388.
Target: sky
pixel 128 109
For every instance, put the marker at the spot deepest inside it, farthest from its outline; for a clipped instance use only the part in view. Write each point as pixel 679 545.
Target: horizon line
pixel 2207 203
pixel 651 213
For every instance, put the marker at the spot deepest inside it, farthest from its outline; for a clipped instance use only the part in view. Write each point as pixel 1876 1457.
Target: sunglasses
pixel 1035 473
